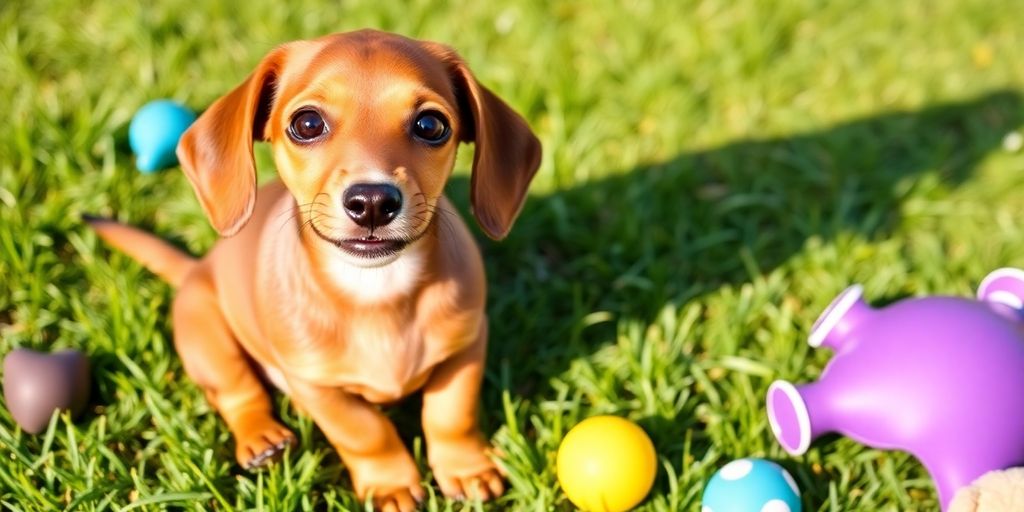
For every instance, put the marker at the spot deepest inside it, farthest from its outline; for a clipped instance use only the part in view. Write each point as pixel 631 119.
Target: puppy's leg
pixel 215 361
pixel 368 444
pixel 457 451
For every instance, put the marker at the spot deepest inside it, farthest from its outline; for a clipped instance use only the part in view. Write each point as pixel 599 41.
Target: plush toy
pixel 997 491
pixel 939 377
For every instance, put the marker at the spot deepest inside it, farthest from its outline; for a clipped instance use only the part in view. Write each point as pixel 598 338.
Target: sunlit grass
pixel 714 173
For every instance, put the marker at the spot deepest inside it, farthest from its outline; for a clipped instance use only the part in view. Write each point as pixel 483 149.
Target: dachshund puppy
pixel 351 282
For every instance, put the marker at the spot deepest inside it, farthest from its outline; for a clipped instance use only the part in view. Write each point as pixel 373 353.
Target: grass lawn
pixel 714 174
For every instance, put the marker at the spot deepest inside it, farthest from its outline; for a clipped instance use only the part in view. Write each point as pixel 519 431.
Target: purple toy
pixel 939 377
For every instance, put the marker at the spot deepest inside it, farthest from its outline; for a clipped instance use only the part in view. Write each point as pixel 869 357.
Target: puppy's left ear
pixel 507 153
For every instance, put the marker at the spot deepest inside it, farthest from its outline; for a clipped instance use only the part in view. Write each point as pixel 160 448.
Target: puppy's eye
pixel 306 126
pixel 431 127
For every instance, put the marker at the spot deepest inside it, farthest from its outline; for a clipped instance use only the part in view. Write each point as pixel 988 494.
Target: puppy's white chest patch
pixel 388 364
pixel 378 284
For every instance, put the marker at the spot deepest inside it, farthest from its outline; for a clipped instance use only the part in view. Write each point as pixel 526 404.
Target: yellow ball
pixel 606 464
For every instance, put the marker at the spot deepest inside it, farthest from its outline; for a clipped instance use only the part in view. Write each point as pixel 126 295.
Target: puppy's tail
pixel 160 257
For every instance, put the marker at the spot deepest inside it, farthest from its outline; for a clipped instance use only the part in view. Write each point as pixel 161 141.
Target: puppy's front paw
pixel 464 469
pixel 405 499
pixel 392 480
pixel 261 442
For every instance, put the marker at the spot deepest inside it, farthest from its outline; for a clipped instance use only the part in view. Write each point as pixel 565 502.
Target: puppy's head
pixel 364 128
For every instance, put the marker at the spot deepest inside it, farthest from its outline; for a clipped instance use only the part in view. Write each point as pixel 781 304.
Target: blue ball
pixel 751 485
pixel 154 133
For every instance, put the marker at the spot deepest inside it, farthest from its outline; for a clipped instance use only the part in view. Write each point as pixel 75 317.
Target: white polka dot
pixel 737 469
pixel 775 506
pixel 791 482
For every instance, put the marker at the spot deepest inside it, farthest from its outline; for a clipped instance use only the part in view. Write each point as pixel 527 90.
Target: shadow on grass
pixel 673 230
pixel 669 231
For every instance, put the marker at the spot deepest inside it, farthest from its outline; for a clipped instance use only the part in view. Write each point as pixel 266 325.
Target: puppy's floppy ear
pixel 507 153
pixel 216 151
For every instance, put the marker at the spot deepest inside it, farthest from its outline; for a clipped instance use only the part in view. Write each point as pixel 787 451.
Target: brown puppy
pixel 351 282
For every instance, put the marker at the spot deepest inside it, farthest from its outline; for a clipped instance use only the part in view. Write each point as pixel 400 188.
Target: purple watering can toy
pixel 939 377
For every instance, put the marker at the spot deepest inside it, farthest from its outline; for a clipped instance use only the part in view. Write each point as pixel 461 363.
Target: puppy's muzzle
pixel 372 205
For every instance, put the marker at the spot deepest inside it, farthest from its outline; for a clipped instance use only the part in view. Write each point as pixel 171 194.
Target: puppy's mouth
pixel 371 246
pixel 368 247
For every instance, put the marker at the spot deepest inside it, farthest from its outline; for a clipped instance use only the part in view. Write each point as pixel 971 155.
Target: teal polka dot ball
pixel 751 485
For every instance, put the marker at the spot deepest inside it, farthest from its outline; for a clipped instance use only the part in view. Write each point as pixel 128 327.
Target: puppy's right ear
pixel 216 151
pixel 507 152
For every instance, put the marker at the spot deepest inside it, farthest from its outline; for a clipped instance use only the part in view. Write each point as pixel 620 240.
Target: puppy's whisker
pixel 447 217
pixel 299 207
pixel 293 217
pixel 292 214
pixel 297 216
pixel 311 217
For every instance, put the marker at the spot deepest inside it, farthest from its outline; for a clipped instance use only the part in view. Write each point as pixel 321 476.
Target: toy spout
pixel 835 326
pixel 1004 289
pixel 798 415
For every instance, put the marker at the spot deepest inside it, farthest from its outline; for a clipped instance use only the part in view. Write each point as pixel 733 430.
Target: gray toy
pixel 37 383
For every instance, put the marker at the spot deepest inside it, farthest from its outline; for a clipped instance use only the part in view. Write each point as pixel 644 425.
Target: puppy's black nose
pixel 372 205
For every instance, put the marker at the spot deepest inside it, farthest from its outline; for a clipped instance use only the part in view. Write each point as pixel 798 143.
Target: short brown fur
pixel 278 297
